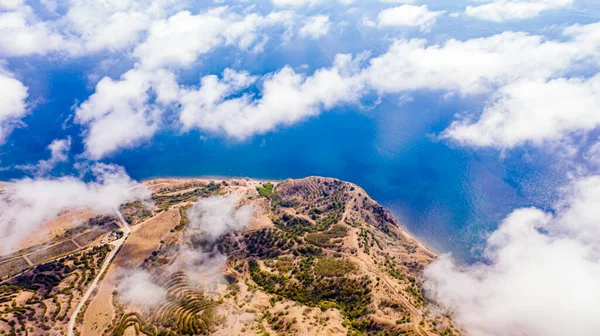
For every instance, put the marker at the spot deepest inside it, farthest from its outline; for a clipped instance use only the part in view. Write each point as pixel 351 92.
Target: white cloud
pixel 21 33
pixel 59 149
pixel 578 213
pixel 217 215
pixel 87 26
pixel 482 64
pixel 286 98
pixel 505 10
pixel 91 26
pixel 210 219
pixel 316 27
pixel 409 15
pixel 106 25
pixel 210 93
pixel 115 24
pixel 125 112
pixel 531 102
pixel 541 276
pixel 11 4
pixel 27 203
pixel 13 104
pixel 59 152
pixel 295 2
pixel 477 66
pixel 179 40
pixel 592 155
pixel 122 113
pixel 138 288
pixel 533 111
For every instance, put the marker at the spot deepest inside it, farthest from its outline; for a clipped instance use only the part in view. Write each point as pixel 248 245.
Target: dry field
pixel 12 266
pixel 146 238
pixel 52 252
pixel 56 228
pixel 143 239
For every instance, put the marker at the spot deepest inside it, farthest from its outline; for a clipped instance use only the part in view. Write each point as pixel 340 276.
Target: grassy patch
pixel 324 239
pixel 284 265
pixel 164 202
pixel 266 190
pixel 350 295
pixel 330 267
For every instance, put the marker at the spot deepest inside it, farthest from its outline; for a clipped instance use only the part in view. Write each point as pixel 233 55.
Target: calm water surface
pixel 448 196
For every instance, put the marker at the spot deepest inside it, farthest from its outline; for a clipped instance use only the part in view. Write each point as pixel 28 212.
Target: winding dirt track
pixel 116 245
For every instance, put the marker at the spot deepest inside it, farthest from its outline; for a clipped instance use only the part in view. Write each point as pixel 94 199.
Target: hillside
pixel 317 257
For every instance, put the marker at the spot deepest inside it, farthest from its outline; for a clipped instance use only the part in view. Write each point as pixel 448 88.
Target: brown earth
pixel 374 242
pixel 144 239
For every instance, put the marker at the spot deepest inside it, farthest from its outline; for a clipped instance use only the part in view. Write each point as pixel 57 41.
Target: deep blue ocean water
pixel 448 196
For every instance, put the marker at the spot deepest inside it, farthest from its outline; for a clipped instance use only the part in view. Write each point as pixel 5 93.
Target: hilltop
pixel 317 256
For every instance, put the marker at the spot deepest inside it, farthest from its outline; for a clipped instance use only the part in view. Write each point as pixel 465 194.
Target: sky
pixel 84 82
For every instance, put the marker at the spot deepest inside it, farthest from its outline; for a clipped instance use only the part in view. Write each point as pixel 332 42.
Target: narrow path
pixel 116 245
pixel 27 260
pixel 76 243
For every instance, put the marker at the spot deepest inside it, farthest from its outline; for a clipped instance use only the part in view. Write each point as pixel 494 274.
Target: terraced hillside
pixel 317 257
pixel 40 300
pixel 320 257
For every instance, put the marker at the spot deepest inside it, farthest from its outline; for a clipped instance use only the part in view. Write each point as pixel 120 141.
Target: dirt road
pixel 116 245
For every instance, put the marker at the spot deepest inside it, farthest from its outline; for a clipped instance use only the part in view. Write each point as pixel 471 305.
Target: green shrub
pixel 266 190
pixel 324 239
pixel 330 267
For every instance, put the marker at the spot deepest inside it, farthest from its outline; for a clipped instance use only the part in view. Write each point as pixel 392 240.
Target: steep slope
pixel 320 257
pixel 348 253
pixel 317 256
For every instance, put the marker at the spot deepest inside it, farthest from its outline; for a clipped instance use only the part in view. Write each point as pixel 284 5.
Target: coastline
pixel 207 178
pixel 401 226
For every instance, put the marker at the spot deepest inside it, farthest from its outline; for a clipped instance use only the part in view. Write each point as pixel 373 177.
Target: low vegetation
pixel 51 290
pixel 185 312
pixel 350 295
pixel 331 267
pixel 266 190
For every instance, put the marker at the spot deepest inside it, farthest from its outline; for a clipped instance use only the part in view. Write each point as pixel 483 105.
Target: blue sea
pixel 448 196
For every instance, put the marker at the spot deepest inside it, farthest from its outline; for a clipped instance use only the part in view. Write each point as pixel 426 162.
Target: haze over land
pixel 474 122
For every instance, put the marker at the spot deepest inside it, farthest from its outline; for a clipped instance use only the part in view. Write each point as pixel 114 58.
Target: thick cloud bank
pixel 26 204
pixel 541 276
pixel 125 112
pixel 516 72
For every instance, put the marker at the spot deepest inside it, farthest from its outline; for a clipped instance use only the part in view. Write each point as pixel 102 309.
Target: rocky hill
pixel 315 256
